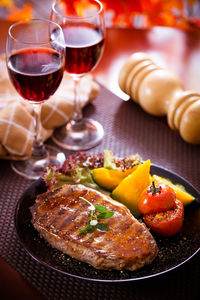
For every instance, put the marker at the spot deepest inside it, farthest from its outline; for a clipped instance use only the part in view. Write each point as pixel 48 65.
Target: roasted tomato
pixel 166 223
pixel 156 199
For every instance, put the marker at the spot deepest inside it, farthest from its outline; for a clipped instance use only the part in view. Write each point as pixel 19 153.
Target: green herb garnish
pixel 93 223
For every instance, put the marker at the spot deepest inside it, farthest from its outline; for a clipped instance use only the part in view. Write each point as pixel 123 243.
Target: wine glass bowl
pixel 33 82
pixel 35 62
pixel 84 35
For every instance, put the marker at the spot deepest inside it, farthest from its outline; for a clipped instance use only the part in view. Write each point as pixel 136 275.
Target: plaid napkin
pixel 16 115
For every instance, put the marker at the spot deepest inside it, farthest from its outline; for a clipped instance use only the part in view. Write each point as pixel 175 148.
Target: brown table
pixel 128 129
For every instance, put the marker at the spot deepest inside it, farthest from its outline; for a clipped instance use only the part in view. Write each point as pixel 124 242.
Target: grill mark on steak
pixel 59 215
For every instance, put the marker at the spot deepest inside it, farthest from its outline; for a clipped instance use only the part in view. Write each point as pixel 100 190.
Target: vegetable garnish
pixel 93 223
pixel 156 198
pixel 77 168
pixel 166 223
pixel 161 211
pixel 109 160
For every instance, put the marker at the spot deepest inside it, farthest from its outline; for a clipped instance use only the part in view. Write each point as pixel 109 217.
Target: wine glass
pixel 84 34
pixel 35 62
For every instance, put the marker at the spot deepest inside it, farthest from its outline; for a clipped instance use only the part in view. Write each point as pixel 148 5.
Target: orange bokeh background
pixel 119 13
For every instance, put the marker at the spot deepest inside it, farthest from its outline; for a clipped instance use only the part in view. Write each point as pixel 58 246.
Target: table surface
pixel 128 129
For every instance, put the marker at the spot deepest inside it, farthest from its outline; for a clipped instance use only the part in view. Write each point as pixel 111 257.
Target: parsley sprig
pixel 103 213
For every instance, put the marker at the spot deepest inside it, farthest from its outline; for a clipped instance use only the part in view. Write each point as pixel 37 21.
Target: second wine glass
pixel 84 33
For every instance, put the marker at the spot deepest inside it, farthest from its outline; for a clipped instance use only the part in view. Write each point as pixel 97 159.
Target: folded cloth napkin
pixel 16 114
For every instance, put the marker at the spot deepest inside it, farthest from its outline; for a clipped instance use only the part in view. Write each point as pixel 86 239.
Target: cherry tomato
pixel 156 199
pixel 166 223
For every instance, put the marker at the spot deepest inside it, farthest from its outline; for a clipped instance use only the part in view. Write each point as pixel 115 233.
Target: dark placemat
pixel 128 129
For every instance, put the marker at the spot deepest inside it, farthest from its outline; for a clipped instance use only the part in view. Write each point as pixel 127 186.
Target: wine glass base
pixel 79 136
pixel 33 168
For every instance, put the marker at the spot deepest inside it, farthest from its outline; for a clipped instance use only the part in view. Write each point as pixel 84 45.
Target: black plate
pixel 173 251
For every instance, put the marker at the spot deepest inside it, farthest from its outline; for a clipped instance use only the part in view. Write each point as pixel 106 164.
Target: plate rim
pixel 42 262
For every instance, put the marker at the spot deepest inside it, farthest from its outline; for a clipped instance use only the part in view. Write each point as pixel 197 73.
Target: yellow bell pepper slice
pixel 108 178
pixel 130 188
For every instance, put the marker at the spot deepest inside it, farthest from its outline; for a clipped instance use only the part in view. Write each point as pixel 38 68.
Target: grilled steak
pixel 59 215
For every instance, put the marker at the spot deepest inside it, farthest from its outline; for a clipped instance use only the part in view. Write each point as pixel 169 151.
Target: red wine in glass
pixel 84 33
pixel 83 47
pixel 35 72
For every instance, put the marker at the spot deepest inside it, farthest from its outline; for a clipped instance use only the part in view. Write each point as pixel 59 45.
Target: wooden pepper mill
pixel 160 93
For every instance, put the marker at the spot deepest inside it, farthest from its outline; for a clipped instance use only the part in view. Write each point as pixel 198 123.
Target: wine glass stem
pixel 38 148
pixel 77 113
